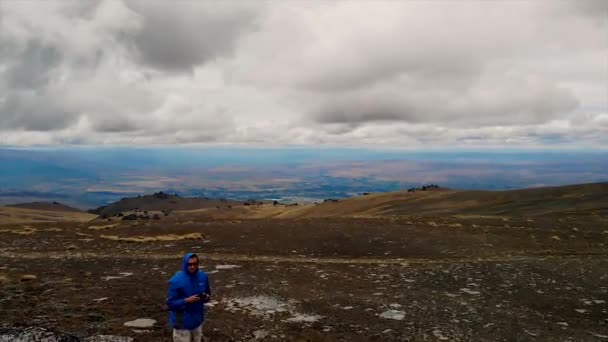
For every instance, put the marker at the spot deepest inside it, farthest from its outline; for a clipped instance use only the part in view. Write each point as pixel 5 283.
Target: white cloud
pixel 411 74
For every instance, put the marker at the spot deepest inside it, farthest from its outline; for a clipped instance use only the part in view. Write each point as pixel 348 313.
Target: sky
pixel 410 74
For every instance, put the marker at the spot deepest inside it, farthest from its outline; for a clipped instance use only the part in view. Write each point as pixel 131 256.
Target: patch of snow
pixel 266 306
pixel 108 338
pixel 28 334
pixel 302 318
pixel 469 291
pixel 122 275
pixel 437 333
pixel 260 334
pixel 140 323
pixel 140 331
pixel 533 334
pixel 257 305
pixel 212 303
pixel 393 314
pixel 226 267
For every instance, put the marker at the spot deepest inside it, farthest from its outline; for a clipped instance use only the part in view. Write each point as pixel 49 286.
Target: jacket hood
pixel 185 262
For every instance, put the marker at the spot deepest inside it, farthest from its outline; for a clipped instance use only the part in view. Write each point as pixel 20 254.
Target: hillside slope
pixel 530 202
pixel 48 206
pixel 572 199
pixel 11 215
pixel 162 202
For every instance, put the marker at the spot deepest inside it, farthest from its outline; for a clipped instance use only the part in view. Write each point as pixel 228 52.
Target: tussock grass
pixel 103 227
pixel 3 278
pixel 167 237
pixel 28 277
pixel 25 231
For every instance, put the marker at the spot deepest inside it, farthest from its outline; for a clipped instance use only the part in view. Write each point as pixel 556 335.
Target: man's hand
pixel 205 297
pixel 193 299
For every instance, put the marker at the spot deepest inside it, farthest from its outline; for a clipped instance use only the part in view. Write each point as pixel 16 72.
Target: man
pixel 188 292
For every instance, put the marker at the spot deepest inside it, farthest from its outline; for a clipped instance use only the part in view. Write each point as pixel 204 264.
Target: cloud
pixel 33 111
pixel 492 100
pixel 597 9
pixel 33 66
pixel 380 73
pixel 178 37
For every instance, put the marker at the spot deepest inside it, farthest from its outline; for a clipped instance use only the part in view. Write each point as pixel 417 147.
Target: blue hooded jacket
pixel 181 286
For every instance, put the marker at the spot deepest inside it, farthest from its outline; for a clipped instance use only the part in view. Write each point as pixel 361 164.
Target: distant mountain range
pixel 91 177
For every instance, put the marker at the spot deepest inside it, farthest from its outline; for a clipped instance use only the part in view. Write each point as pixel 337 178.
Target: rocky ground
pixel 386 279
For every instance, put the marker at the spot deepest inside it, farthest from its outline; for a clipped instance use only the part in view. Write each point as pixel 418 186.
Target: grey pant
pixel 182 335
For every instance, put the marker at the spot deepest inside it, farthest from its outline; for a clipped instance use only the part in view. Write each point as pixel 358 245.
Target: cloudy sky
pixel 418 74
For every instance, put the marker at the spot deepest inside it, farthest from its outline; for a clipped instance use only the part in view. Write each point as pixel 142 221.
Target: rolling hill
pixel 525 202
pixel 47 206
pixel 162 202
pixel 572 199
pixel 12 215
pixel 590 198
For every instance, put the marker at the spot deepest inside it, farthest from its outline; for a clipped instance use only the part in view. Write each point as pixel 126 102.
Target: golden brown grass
pixel 3 278
pixel 11 215
pixel 469 204
pixel 103 227
pixel 28 277
pixel 26 230
pixel 167 237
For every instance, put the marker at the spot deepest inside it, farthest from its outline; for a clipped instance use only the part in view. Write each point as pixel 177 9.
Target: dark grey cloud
pixel 422 62
pixel 34 111
pixel 478 105
pixel 179 36
pixel 114 124
pixel 32 68
pixel 360 108
pixel 593 8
